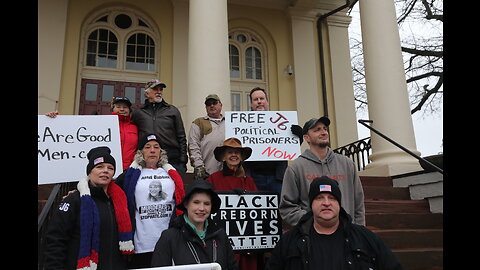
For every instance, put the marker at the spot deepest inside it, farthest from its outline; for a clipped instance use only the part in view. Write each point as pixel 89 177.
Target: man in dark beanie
pixel 326 238
pixel 316 161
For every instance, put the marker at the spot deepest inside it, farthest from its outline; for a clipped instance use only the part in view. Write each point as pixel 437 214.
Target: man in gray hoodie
pixel 320 160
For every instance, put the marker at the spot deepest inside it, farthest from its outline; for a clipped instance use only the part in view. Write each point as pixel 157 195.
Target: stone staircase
pixel 410 230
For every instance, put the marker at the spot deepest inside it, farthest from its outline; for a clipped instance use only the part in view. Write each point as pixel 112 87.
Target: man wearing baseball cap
pixel 165 122
pixel 326 238
pixel 206 133
pixel 319 160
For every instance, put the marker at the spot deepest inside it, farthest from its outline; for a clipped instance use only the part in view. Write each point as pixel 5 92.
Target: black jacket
pixel 363 248
pixel 173 246
pixel 63 235
pixel 164 121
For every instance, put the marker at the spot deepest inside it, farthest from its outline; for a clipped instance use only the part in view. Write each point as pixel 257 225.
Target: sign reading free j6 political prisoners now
pixel 266 132
pixel 251 220
pixel 64 141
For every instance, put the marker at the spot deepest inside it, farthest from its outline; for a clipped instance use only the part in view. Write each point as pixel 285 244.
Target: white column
pixel 208 66
pixel 305 57
pixel 342 85
pixel 387 95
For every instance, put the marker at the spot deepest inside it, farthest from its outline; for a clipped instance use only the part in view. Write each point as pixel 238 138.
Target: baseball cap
pixel 153 83
pixel 312 122
pixel 212 96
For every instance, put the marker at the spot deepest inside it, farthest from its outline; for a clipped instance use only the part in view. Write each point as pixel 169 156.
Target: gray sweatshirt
pixel 294 202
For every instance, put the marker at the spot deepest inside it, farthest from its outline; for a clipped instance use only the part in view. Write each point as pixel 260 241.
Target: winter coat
pixel 165 122
pixel 225 180
pixel 180 245
pixel 128 139
pixel 363 249
pixel 294 202
pixel 63 235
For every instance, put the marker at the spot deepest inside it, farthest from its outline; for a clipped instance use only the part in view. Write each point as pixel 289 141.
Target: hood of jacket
pixel 308 154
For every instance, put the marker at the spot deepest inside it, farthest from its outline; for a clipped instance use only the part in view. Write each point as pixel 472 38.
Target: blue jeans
pixel 266 182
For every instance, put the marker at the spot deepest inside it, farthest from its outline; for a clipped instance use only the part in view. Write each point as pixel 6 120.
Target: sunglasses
pixel 211 102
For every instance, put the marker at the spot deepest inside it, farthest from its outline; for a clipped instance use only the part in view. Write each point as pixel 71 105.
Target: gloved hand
pixel 200 172
pixel 297 130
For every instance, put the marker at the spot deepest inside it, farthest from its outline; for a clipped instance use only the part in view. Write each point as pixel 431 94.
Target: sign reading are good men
pixel 266 132
pixel 251 220
pixel 64 141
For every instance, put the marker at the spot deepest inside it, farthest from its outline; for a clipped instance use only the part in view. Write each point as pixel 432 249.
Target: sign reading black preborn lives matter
pixel 64 141
pixel 251 220
pixel 266 132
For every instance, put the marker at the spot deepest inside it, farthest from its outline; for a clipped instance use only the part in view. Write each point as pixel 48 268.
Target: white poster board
pixel 64 141
pixel 251 220
pixel 266 132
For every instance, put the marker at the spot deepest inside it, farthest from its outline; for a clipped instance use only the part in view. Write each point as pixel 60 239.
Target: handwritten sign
pixel 251 220
pixel 64 141
pixel 266 132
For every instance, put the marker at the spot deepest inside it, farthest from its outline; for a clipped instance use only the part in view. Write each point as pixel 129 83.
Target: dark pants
pixel 140 260
pixel 180 167
pixel 266 182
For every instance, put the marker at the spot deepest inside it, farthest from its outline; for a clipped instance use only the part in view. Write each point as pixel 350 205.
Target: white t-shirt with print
pixel 154 196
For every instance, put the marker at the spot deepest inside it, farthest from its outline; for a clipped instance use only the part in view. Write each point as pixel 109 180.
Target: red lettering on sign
pixel 278 153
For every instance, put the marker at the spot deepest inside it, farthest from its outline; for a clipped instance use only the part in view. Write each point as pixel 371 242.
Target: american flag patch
pixel 98 160
pixel 326 188
pixel 151 137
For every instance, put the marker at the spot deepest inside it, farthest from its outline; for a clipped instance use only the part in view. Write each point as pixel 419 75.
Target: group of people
pixel 145 217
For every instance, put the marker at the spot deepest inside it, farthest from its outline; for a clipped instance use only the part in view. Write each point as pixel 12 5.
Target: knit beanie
pixel 324 184
pixel 99 155
pixel 143 140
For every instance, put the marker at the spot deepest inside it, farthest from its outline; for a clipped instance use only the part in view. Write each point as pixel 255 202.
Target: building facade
pixel 90 51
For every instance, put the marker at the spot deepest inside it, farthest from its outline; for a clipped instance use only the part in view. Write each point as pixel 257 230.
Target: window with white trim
pixel 247 55
pixel 120 40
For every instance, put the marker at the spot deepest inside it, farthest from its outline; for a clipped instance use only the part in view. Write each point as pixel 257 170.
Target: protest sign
pixel 266 132
pixel 251 220
pixel 64 141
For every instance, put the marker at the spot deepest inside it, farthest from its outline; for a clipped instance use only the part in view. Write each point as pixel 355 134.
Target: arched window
pixel 119 53
pixel 102 49
pixel 120 40
pixel 253 63
pixel 140 52
pixel 234 61
pixel 247 67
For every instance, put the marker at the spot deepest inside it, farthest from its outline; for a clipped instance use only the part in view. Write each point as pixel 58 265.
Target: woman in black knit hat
pixel 91 227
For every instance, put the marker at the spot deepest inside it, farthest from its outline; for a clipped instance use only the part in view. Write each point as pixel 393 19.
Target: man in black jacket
pixel 326 238
pixel 165 122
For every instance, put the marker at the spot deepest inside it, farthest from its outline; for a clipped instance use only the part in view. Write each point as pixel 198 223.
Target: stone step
pixel 376 181
pixel 396 206
pixel 386 193
pixel 420 258
pixel 411 238
pixel 403 221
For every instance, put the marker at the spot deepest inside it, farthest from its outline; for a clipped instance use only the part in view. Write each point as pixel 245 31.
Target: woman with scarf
pixel 149 217
pixel 194 237
pixel 233 177
pixel 91 228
